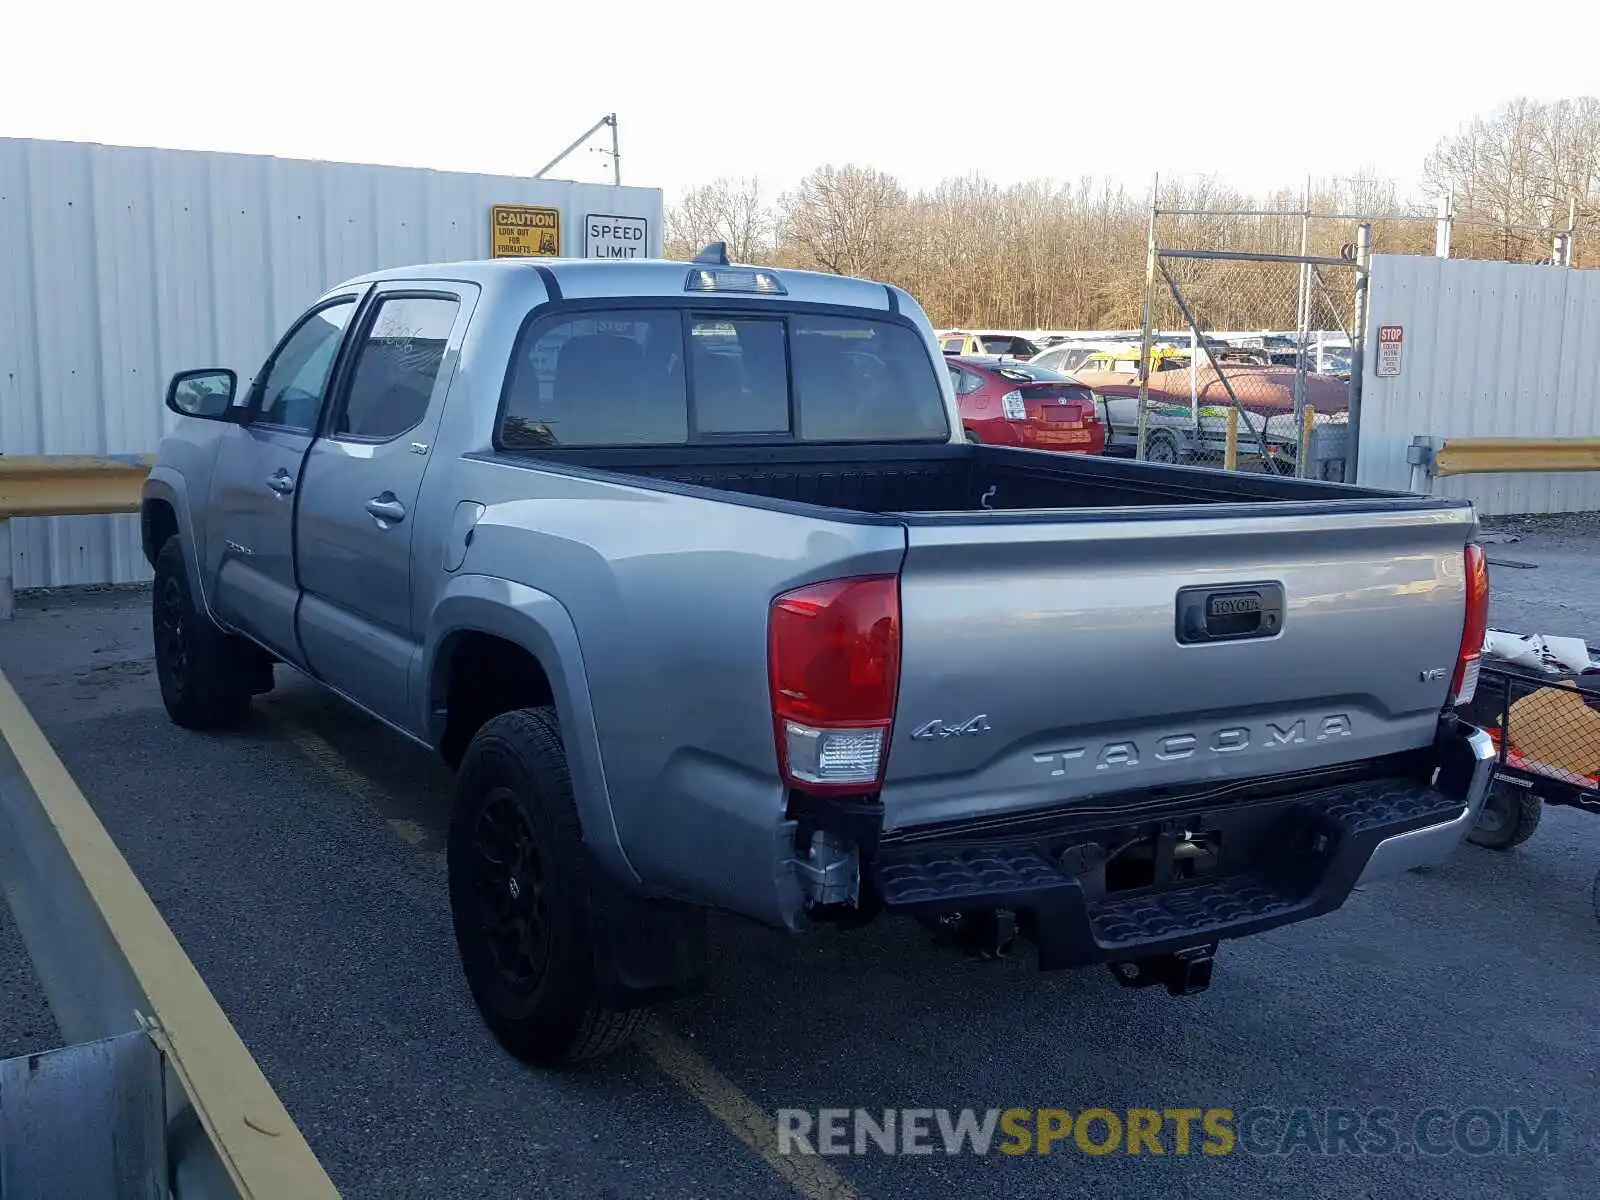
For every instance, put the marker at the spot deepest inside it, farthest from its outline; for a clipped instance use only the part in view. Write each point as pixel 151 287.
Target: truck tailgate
pixel 1050 659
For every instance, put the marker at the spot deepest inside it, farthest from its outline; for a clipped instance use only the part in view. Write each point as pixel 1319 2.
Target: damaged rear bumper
pixel 1166 887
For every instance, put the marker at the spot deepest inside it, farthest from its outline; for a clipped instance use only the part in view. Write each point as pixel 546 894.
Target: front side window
pixel 297 377
pixel 396 367
pixel 667 376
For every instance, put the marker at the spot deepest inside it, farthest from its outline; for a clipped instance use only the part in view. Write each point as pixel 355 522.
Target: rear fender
pixel 541 625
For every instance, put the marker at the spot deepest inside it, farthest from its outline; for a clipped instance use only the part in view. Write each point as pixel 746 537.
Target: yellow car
pixel 1006 345
pixel 1126 361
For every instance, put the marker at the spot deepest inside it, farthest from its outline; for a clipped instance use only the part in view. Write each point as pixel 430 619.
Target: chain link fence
pixel 1250 364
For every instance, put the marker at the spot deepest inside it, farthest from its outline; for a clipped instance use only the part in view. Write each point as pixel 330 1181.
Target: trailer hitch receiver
pixel 1184 972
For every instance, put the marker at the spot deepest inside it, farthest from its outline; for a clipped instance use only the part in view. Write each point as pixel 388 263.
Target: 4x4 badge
pixel 971 727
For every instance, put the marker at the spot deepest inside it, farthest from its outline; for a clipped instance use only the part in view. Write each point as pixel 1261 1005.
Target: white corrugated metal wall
pixel 1490 350
pixel 119 266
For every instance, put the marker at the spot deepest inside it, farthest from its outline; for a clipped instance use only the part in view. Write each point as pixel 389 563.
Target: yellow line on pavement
pixel 808 1175
pixel 811 1177
pixel 336 766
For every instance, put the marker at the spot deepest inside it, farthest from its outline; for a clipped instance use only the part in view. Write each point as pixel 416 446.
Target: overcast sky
pixel 1260 94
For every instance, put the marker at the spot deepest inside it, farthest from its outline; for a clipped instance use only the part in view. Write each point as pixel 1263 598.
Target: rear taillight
pixel 833 661
pixel 1464 683
pixel 1013 406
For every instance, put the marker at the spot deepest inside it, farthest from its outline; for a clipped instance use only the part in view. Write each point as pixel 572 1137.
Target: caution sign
pixel 524 231
pixel 1391 345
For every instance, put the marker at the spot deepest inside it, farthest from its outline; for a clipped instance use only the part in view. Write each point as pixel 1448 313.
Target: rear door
pixel 1106 655
pixel 255 485
pixel 358 500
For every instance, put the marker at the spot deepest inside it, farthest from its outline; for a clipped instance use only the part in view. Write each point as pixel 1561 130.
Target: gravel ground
pixel 1560 593
pixel 298 860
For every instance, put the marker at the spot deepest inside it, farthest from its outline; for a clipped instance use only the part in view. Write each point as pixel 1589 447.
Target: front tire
pixel 1510 816
pixel 207 676
pixel 520 896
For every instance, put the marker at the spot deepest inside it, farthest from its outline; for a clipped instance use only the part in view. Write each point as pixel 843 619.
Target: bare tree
pixel 1042 254
pixel 726 210
pixel 1515 172
pixel 849 220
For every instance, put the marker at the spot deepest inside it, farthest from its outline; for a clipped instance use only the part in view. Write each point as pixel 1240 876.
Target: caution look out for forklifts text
pixel 524 230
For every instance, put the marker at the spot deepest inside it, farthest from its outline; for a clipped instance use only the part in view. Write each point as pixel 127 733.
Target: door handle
pixel 281 482
pixel 386 510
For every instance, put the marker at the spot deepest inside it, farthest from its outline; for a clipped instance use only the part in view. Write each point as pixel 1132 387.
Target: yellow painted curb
pixel 260 1147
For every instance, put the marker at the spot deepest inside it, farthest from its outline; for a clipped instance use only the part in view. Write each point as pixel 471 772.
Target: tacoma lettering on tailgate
pixel 1176 746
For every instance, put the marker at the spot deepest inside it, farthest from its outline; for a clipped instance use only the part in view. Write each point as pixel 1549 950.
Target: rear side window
pixel 396 368
pixel 668 376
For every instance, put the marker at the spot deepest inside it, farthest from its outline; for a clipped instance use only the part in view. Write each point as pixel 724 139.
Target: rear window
pixel 1008 344
pixel 671 376
pixel 1024 372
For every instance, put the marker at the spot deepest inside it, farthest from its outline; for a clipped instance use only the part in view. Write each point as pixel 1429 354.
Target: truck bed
pixel 954 479
pixel 1113 628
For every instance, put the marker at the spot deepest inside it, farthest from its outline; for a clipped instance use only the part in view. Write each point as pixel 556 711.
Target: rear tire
pixel 1162 447
pixel 520 896
pixel 207 676
pixel 973 438
pixel 1510 816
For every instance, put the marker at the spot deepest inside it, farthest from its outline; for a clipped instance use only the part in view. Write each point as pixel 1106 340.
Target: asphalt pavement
pixel 299 860
pixel 1547 578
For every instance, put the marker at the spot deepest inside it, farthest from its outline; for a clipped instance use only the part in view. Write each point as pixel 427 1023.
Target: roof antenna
pixel 714 255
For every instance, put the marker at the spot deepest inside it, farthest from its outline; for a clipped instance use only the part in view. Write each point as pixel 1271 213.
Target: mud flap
pixel 646 950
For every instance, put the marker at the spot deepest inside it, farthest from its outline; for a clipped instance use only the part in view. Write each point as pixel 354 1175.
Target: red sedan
pixel 1009 403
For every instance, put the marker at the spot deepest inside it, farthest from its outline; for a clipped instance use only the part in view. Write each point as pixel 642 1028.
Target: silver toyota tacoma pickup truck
pixel 688 572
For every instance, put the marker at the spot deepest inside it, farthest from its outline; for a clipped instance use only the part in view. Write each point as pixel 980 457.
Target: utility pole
pixel 1149 316
pixel 1441 227
pixel 1358 345
pixel 1303 323
pixel 616 158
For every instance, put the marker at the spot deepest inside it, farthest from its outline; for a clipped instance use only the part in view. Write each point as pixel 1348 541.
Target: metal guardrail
pixel 112 969
pixel 1433 457
pixel 62 486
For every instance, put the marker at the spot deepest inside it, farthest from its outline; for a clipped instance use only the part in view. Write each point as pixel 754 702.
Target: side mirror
pixel 207 394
